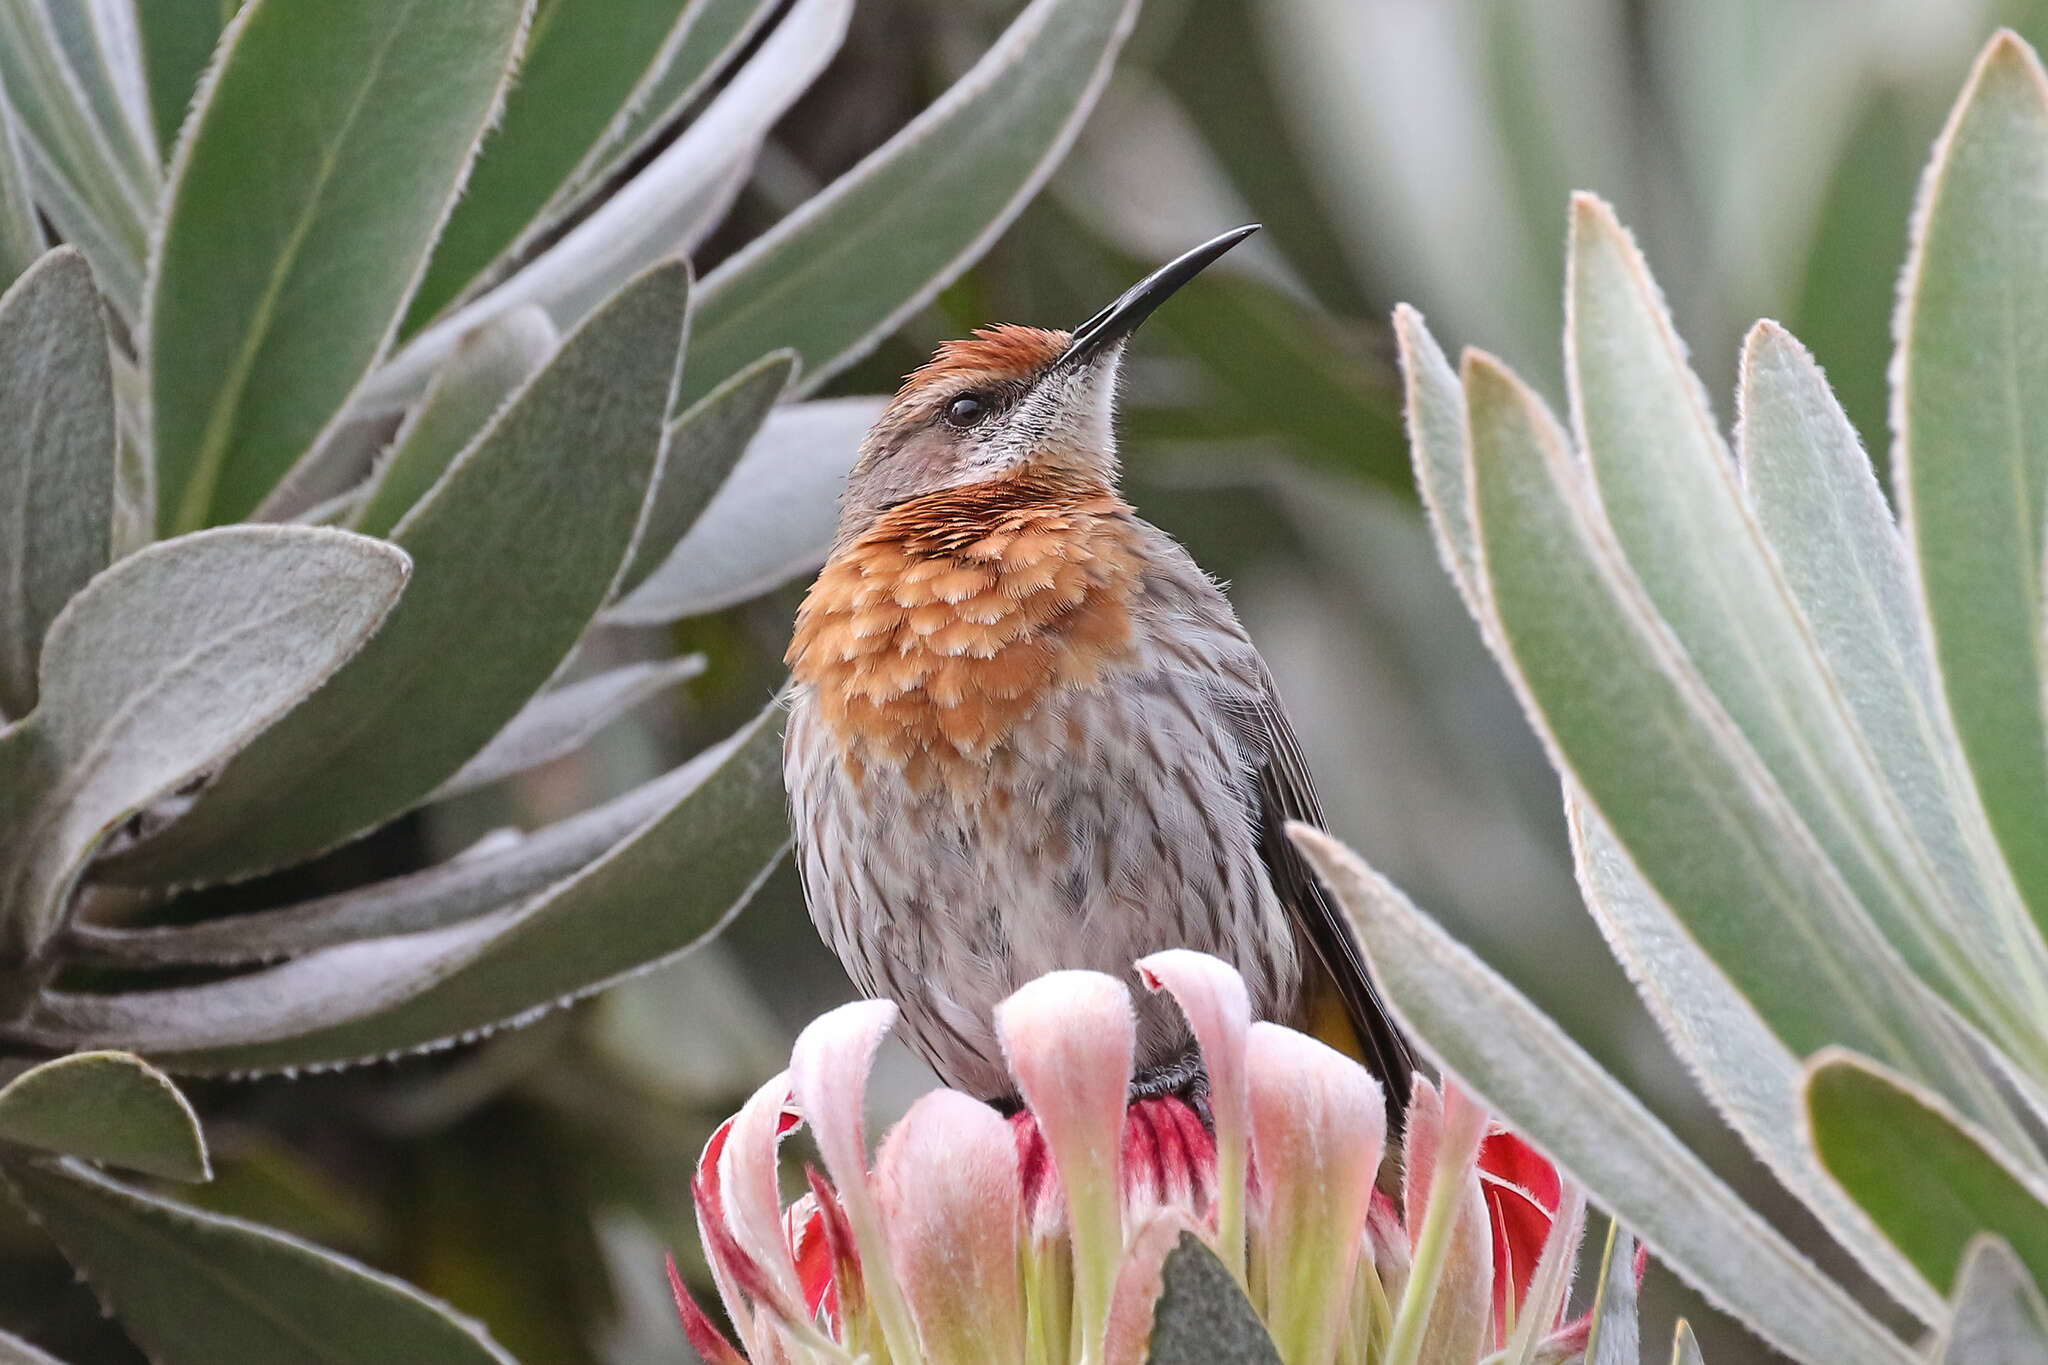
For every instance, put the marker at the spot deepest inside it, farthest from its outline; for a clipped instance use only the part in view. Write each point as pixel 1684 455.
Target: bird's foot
pixel 1184 1078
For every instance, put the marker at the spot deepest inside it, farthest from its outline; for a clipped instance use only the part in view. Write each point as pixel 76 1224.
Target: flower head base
pixel 1042 1239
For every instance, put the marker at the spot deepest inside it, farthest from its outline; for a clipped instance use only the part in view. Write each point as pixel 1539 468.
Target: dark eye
pixel 965 411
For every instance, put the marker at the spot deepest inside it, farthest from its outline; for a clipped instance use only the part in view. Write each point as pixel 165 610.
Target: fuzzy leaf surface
pixel 514 550
pixel 1845 561
pixel 670 883
pixel 1700 818
pixel 109 1107
pixel 1528 1071
pixel 163 666
pixel 326 150
pixel 1202 1317
pixel 770 521
pixel 2000 1318
pixel 484 371
pixel 56 458
pixel 197 1288
pixel 558 722
pixel 837 275
pixel 1970 406
pixel 1918 1169
pixel 581 64
pixel 704 446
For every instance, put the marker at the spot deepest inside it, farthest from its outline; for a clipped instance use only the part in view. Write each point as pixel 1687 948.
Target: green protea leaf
pixel 271 295
pixel 109 1107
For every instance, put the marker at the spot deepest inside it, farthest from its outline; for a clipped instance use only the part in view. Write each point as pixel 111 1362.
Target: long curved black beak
pixel 1121 318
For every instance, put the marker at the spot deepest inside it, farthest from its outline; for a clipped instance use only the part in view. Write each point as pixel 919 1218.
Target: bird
pixel 1026 732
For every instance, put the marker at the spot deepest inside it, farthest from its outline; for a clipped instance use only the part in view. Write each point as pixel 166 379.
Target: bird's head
pixel 1011 401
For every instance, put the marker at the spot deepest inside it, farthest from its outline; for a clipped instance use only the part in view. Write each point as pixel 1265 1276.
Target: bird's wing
pixel 1286 792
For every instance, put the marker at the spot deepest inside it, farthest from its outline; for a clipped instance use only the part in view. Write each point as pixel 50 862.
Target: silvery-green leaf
pixel 1616 1336
pixel 1202 1316
pixel 1750 1077
pixel 704 445
pixel 580 66
pixel 658 891
pixel 21 235
pixel 480 879
pixel 559 722
pixel 198 1288
pixel 56 458
pixel 110 1107
pixel 467 391
pixel 514 549
pixel 1671 498
pixel 2000 1318
pixel 100 45
pixel 66 148
pixel 771 521
pixel 1699 815
pixel 1435 408
pixel 178 38
pixel 15 1351
pixel 1845 561
pixel 272 293
pixel 164 665
pixel 660 213
pixel 1927 1176
pixel 1685 1347
pixel 838 274
pixel 116 268
pixel 703 43
pixel 1970 410
pixel 1528 1071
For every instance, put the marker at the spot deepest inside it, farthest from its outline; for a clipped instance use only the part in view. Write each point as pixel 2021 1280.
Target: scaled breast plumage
pixel 932 634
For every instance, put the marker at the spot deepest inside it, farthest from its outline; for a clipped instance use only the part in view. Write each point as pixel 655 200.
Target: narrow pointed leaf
pixel 1203 1317
pixel 661 213
pixel 841 272
pixel 559 722
pixel 1970 409
pixel 1753 1080
pixel 2000 1318
pixel 771 520
pixel 1685 1347
pixel 272 293
pixel 667 885
pixel 163 666
pixel 448 893
pixel 98 207
pixel 1527 1070
pixel 513 550
pixel 484 371
pixel 1616 1336
pixel 1435 408
pixel 21 235
pixel 1845 561
pixel 1684 795
pixel 1671 496
pixel 1928 1179
pixel 56 458
pixel 102 51
pixel 196 1288
pixel 581 64
pixel 707 37
pixel 704 446
pixel 110 1107
pixel 178 38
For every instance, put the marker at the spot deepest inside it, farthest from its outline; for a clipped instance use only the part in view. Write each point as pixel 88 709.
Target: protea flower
pixel 1043 1238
